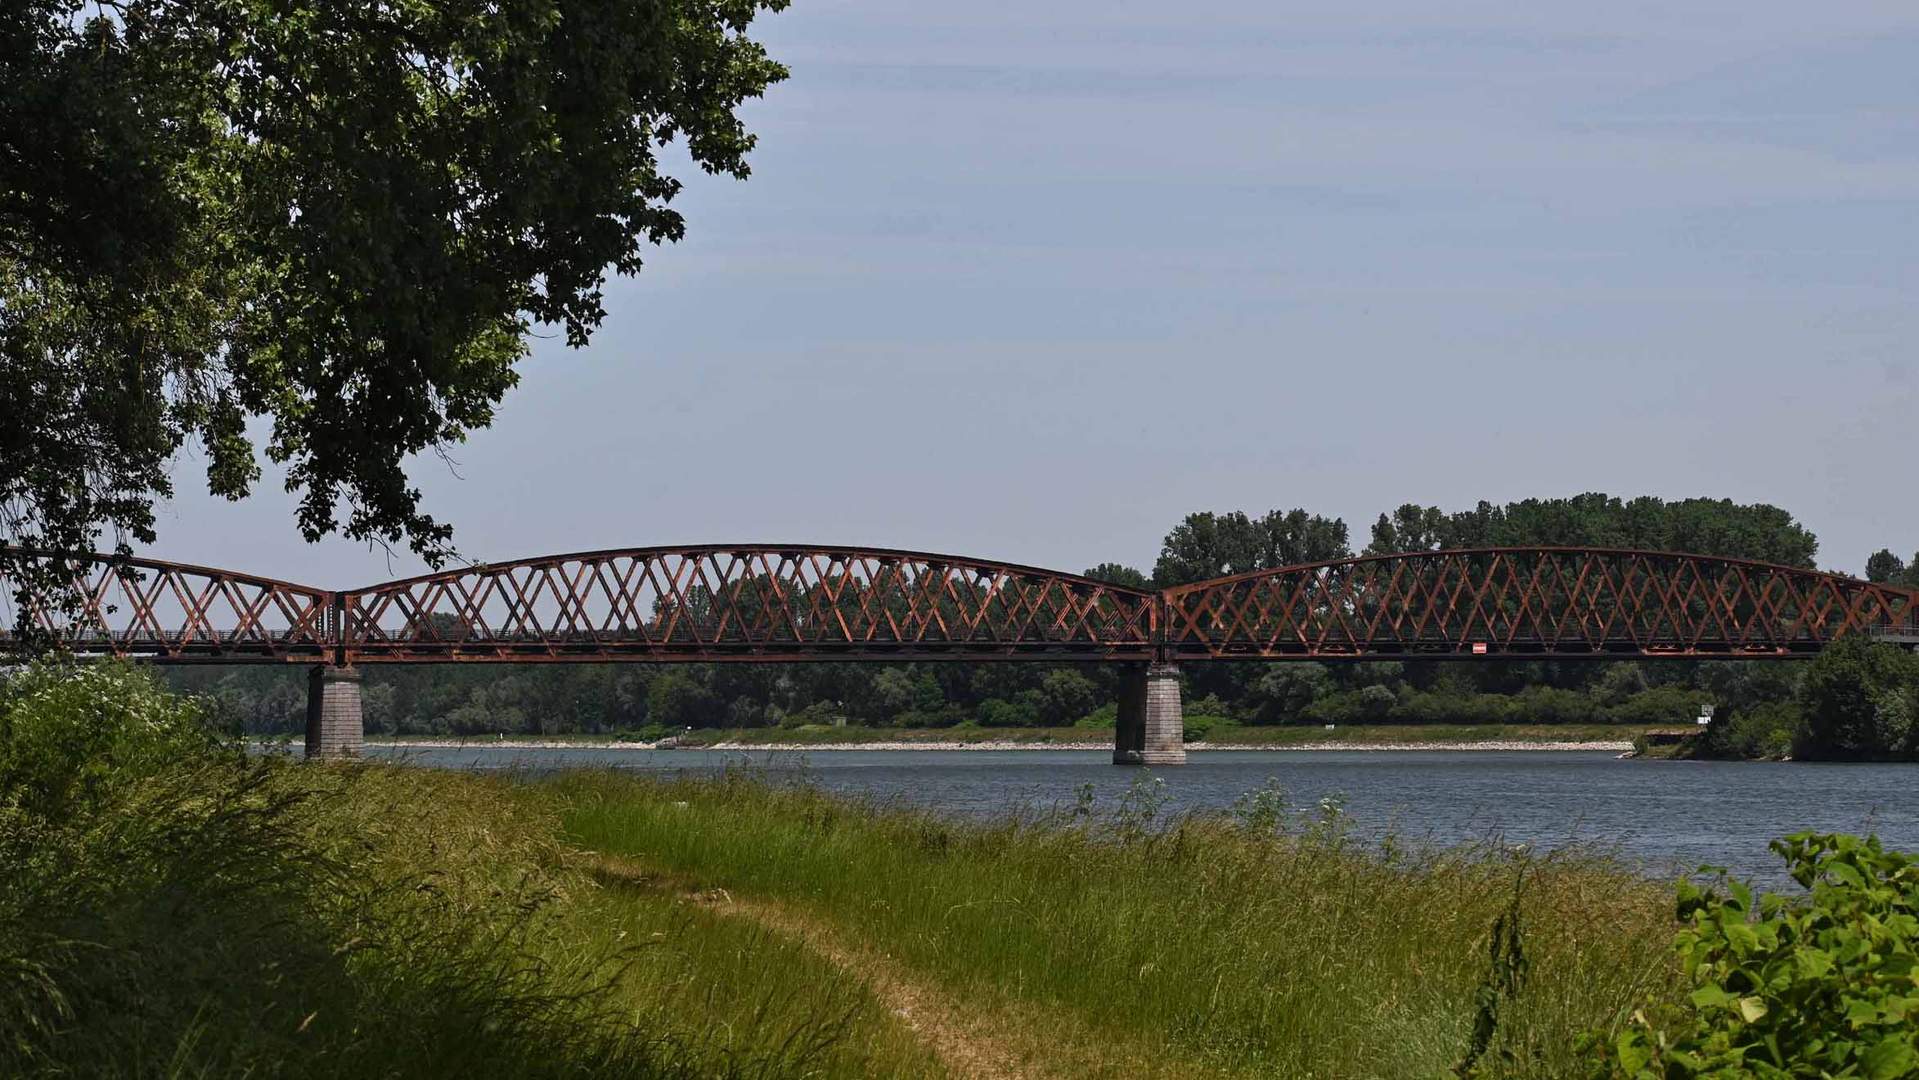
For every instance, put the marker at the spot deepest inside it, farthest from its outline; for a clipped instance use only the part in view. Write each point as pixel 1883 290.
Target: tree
pixel 1410 528
pixel 1283 691
pixel 1888 569
pixel 1698 526
pixel 1858 700
pixel 1118 574
pixel 1209 545
pixel 675 699
pixel 1884 567
pixel 1065 696
pixel 345 225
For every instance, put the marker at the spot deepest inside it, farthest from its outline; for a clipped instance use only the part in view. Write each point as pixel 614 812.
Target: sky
pixel 1034 281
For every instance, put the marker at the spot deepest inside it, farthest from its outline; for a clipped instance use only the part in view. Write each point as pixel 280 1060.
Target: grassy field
pixel 174 906
pixel 1221 734
pixel 1104 942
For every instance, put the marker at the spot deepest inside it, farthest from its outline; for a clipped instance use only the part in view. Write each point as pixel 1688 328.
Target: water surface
pixel 1665 816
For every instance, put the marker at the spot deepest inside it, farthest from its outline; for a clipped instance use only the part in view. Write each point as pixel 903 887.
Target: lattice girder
pixel 747 603
pixel 776 602
pixel 1525 602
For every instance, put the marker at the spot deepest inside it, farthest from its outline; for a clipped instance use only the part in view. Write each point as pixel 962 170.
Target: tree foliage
pixel 1859 699
pixel 1208 545
pixel 1119 574
pixel 1698 526
pixel 1885 568
pixel 341 220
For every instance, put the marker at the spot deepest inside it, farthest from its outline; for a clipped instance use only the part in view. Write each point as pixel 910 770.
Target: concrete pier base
pixel 1151 728
pixel 335 727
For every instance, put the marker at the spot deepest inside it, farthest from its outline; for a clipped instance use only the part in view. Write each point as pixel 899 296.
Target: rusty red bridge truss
pixel 796 603
pixel 799 603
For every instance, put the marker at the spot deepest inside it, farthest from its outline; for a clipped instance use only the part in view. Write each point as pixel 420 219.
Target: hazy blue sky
pixel 1032 281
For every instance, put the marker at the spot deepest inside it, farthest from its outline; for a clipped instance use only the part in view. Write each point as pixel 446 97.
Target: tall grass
pixel 170 906
pixel 1266 943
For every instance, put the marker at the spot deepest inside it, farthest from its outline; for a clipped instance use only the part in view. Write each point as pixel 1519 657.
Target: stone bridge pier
pixel 1151 728
pixel 335 727
pixel 1150 731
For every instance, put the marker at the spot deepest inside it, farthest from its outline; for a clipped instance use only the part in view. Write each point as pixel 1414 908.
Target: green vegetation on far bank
pixel 1209 731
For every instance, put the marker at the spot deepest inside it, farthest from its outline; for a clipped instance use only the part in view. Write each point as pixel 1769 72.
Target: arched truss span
pixel 1526 602
pixel 748 602
pixel 790 602
pixel 152 609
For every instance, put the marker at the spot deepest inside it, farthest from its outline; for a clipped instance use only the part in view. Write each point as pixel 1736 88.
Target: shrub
pixel 1104 718
pixel 1419 707
pixel 1016 713
pixel 1814 987
pixel 1858 698
pixel 1763 731
pixel 1661 705
pixel 818 714
pixel 1551 705
pixel 1352 706
pixel 939 716
pixel 70 735
pixel 1196 728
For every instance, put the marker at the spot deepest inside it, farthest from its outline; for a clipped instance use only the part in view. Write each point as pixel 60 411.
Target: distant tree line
pixel 607 699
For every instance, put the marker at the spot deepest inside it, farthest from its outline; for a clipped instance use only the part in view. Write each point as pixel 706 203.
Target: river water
pixel 1666 817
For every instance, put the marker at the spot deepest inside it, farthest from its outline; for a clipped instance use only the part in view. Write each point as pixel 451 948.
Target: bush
pixel 69 736
pixel 1763 731
pixel 1858 698
pixel 1816 987
pixel 1550 705
pixel 1196 728
pixel 1104 718
pixel 818 714
pixel 1351 706
pixel 1667 705
pixel 1016 713
pixel 1437 708
pixel 940 716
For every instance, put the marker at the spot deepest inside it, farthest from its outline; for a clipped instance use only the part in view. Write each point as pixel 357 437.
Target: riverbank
pixel 1374 737
pixel 1109 940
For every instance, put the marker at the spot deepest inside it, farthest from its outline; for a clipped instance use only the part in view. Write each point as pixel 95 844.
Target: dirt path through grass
pixel 972 1042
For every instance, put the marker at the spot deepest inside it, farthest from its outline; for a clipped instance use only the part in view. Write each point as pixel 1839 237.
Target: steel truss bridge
pixel 781 603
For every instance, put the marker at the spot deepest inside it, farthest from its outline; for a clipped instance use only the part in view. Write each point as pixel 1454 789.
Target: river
pixel 1664 816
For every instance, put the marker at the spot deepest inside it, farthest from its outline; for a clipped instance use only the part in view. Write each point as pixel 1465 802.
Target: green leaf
pixel 1712 997
pixel 1752 1009
pixel 1892 1056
